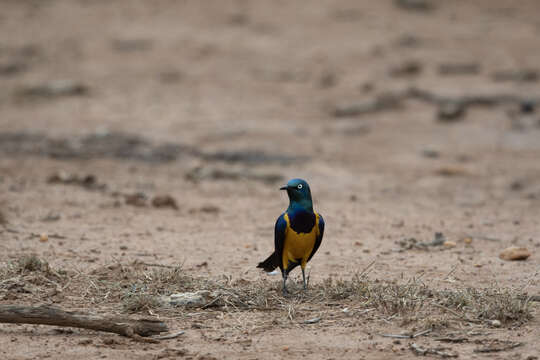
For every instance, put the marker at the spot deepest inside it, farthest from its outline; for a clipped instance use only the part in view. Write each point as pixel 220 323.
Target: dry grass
pixel 467 304
pixel 31 263
pixel 137 287
pixel 140 302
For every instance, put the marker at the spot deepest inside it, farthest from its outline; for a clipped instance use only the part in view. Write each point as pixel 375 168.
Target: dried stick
pixel 48 315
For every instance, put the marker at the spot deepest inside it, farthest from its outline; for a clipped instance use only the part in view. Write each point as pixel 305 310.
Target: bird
pixel 298 233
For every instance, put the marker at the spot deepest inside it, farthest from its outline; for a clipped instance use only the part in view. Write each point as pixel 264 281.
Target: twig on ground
pixel 407 336
pixel 452 340
pixel 418 350
pixel 157 265
pixel 459 316
pixel 363 272
pixel 169 336
pixel 482 237
pixel 48 315
pixel 496 346
pixel 451 271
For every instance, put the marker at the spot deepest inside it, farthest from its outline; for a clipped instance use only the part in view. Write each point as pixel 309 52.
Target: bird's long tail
pixel 270 263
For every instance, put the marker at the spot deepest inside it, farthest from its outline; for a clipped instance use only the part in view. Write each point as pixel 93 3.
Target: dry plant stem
pixel 489 349
pixel 169 336
pixel 158 265
pixel 459 316
pixel 418 350
pixel 411 336
pixel 47 315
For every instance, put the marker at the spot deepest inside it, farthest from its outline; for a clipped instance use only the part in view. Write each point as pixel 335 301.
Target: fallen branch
pixel 48 315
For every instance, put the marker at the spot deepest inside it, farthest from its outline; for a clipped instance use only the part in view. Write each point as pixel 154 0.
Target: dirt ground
pixel 407 118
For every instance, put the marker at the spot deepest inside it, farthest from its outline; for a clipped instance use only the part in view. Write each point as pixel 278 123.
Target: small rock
pixel 450 111
pixel 467 240
pixel 449 244
pixel 450 171
pixel 495 323
pixel 408 68
pixel 136 199
pixel 513 253
pixel 161 201
pixel 43 238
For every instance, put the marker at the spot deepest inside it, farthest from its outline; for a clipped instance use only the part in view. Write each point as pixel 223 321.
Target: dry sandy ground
pixel 243 93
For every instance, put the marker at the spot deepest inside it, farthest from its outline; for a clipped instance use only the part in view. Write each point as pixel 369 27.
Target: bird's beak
pixel 283 187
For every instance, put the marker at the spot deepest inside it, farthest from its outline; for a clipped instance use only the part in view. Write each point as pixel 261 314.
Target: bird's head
pixel 299 194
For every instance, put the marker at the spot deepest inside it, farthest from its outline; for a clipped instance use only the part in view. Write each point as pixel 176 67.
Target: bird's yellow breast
pixel 298 246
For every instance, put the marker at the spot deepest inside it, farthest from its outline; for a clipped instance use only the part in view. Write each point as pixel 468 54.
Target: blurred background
pixel 151 129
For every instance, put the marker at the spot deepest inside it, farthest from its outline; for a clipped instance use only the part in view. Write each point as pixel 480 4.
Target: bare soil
pixel 407 118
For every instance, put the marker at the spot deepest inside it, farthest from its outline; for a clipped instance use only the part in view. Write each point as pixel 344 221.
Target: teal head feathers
pixel 299 195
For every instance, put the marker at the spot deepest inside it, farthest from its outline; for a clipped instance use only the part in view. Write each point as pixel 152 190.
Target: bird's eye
pixel 299 186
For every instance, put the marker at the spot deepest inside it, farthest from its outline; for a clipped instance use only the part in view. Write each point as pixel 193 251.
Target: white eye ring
pixel 299 186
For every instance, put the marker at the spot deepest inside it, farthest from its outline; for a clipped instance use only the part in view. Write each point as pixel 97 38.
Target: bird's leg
pixel 304 278
pixel 284 281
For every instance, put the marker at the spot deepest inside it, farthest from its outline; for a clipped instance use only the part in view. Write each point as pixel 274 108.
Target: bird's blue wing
pixel 318 240
pixel 279 237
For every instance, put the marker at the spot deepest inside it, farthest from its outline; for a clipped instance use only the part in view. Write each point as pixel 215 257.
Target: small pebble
pixel 495 323
pixel 43 237
pixel 513 253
